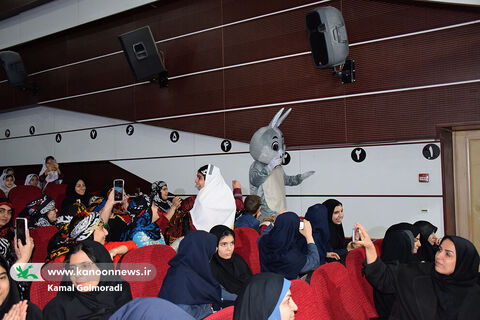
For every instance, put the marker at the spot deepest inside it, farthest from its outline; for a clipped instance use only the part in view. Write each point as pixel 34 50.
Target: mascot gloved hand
pixel 267 179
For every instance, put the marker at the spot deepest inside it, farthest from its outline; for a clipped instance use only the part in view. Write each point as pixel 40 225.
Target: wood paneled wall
pixel 389 100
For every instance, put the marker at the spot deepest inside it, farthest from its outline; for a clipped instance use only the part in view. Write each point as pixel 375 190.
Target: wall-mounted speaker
pixel 13 65
pixel 143 56
pixel 327 36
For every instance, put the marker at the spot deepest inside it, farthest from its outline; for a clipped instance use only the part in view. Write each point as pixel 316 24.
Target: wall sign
pixel 7 133
pixel 174 136
pixel 286 159
pixel 31 130
pixel 93 134
pixel 130 129
pixel 226 145
pixel 431 151
pixel 58 137
pixel 358 154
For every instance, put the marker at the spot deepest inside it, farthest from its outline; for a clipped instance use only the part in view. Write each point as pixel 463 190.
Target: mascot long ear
pixel 279 122
pixel 273 123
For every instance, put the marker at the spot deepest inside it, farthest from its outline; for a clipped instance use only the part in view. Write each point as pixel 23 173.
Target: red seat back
pixel 354 263
pixel 309 305
pixel 2 194
pixel 22 195
pixel 246 246
pixel 41 236
pixel 158 255
pixel 378 245
pixel 224 314
pixel 39 293
pixel 344 299
pixel 57 193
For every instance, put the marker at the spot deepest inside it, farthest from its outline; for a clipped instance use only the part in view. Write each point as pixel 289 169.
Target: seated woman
pixel 10 299
pixel 405 226
pixel 189 282
pixel 142 229
pixel 286 250
pixel 447 289
pixel 6 230
pixel 230 270
pixel 337 248
pixel 32 180
pixel 76 191
pixel 50 172
pixel 167 204
pixel 214 203
pixel 90 296
pixel 41 212
pixel 267 296
pixel 317 215
pixel 429 241
pixel 397 247
pixel 148 308
pixel 7 183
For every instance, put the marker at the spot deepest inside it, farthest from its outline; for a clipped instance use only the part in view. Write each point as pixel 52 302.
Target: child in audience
pixel 91 296
pixel 214 203
pixel 230 270
pixel 287 250
pixel 6 230
pixel 189 282
pixel 7 183
pixel 50 172
pixel 267 296
pixel 32 180
pixel 250 213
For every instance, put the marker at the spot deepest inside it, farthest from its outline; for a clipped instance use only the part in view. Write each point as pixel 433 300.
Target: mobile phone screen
pixel 20 228
pixel 118 190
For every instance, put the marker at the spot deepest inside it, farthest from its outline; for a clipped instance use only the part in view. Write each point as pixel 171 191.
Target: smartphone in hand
pixel 302 225
pixel 118 187
pixel 355 235
pixel 21 230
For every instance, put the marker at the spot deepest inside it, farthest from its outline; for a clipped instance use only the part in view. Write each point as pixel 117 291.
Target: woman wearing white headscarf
pixel 50 172
pixel 33 180
pixel 215 204
pixel 7 183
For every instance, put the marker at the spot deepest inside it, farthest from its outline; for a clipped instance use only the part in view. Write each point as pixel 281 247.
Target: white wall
pixel 378 192
pixel 59 15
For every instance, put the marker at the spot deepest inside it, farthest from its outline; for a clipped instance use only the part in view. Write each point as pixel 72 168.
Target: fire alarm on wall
pixel 423 177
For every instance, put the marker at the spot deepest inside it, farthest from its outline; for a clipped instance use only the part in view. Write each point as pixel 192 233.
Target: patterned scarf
pixel 156 196
pixel 141 213
pixel 38 209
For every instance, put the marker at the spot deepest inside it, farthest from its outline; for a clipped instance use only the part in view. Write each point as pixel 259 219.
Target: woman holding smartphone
pixel 445 289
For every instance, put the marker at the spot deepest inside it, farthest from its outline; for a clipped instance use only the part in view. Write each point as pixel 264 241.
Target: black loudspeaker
pixel 327 36
pixel 14 68
pixel 143 57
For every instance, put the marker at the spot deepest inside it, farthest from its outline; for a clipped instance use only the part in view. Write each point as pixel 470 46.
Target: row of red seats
pixel 335 292
pixel 21 195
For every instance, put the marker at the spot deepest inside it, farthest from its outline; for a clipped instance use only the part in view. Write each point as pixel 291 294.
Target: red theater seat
pixel 224 314
pixel 39 293
pixel 41 236
pixel 22 195
pixel 57 193
pixel 310 306
pixel 344 300
pixel 2 194
pixel 246 246
pixel 158 255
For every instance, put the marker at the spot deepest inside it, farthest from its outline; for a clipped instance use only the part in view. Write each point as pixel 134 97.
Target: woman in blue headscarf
pixel 267 296
pixel 189 282
pixel 287 250
pixel 142 229
pixel 318 217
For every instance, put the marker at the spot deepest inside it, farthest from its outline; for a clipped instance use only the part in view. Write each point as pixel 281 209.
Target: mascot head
pixel 267 142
